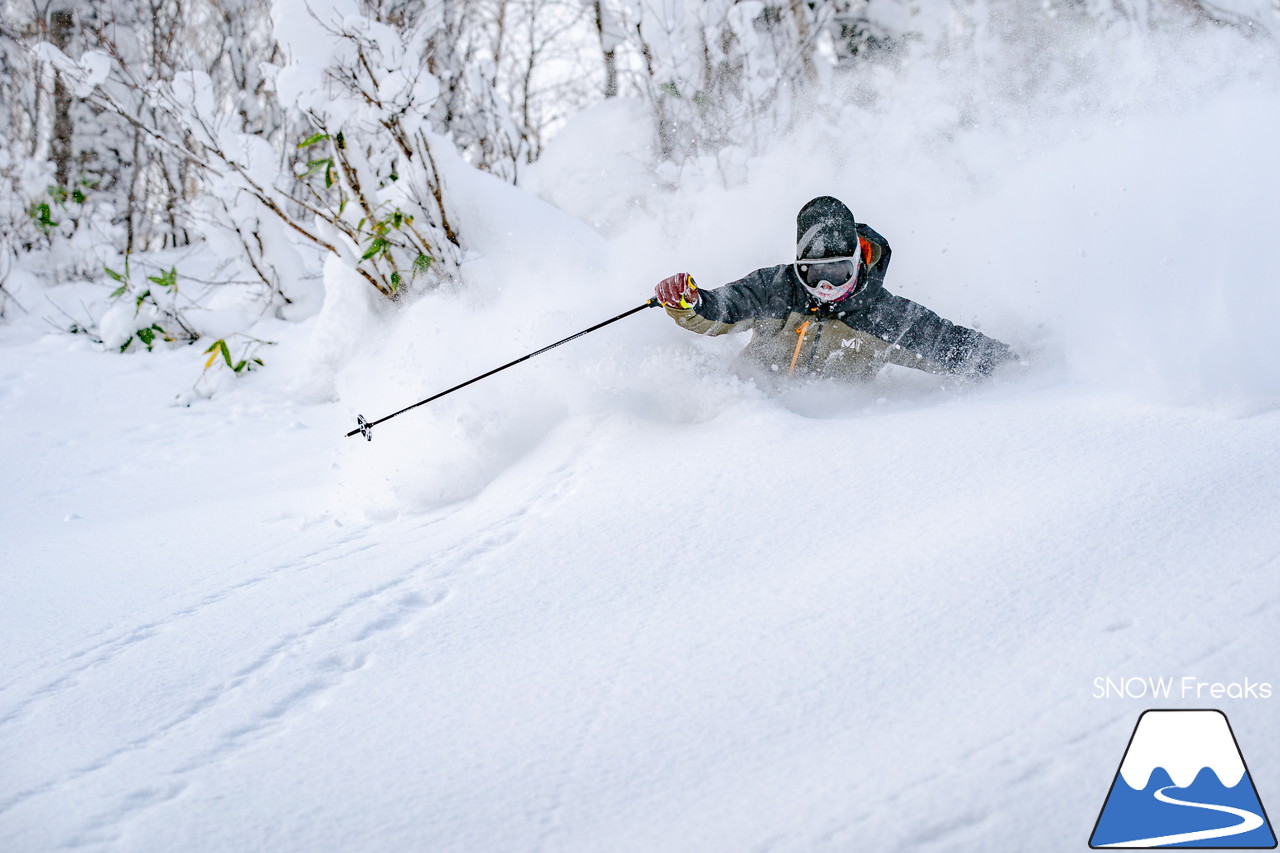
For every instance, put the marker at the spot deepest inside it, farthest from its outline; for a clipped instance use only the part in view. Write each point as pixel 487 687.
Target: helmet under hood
pixel 827 232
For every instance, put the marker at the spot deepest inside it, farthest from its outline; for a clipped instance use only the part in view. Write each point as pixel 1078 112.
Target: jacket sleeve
pixel 920 338
pixel 730 308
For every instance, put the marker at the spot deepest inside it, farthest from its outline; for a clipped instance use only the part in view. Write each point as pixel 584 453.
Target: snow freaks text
pixel 1185 687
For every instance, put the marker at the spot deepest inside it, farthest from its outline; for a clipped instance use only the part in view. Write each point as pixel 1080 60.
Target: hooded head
pixel 827 235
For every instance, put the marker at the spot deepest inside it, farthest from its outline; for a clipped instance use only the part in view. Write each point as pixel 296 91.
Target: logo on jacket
pixel 1182 783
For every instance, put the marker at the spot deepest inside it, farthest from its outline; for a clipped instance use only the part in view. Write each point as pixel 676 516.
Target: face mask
pixel 828 279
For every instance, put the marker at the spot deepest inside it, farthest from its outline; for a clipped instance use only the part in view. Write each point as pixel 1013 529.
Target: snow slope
pixel 615 599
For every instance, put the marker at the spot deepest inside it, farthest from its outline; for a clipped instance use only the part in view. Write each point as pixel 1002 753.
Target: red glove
pixel 677 291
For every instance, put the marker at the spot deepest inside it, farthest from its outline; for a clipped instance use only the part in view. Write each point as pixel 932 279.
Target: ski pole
pixel 365 428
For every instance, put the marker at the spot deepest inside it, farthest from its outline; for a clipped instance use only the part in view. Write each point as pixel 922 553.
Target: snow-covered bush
pixel 370 175
pixel 362 182
pixel 139 310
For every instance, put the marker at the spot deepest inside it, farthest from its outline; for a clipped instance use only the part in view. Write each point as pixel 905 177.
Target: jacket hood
pixel 825 228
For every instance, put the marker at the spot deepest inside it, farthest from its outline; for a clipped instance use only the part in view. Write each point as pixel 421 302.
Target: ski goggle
pixel 837 272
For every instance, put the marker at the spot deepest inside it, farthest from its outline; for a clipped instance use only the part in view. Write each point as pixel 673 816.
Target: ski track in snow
pixel 216 695
pixel 350 631
pixel 108 650
pixel 392 576
pixel 362 618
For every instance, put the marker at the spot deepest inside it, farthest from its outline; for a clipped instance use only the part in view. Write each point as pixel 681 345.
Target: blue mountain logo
pixel 1183 783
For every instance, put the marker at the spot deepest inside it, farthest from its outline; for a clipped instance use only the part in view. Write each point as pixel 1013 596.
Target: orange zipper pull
pixel 795 356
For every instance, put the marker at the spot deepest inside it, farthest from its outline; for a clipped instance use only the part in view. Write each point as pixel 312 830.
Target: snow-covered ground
pixel 616 599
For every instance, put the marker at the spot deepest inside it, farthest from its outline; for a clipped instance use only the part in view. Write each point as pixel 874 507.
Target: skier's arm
pixel 730 308
pixel 920 338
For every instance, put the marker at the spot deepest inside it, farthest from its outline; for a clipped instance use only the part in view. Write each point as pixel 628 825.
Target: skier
pixel 828 314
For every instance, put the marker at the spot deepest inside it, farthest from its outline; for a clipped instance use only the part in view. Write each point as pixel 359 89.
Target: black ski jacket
pixel 794 333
